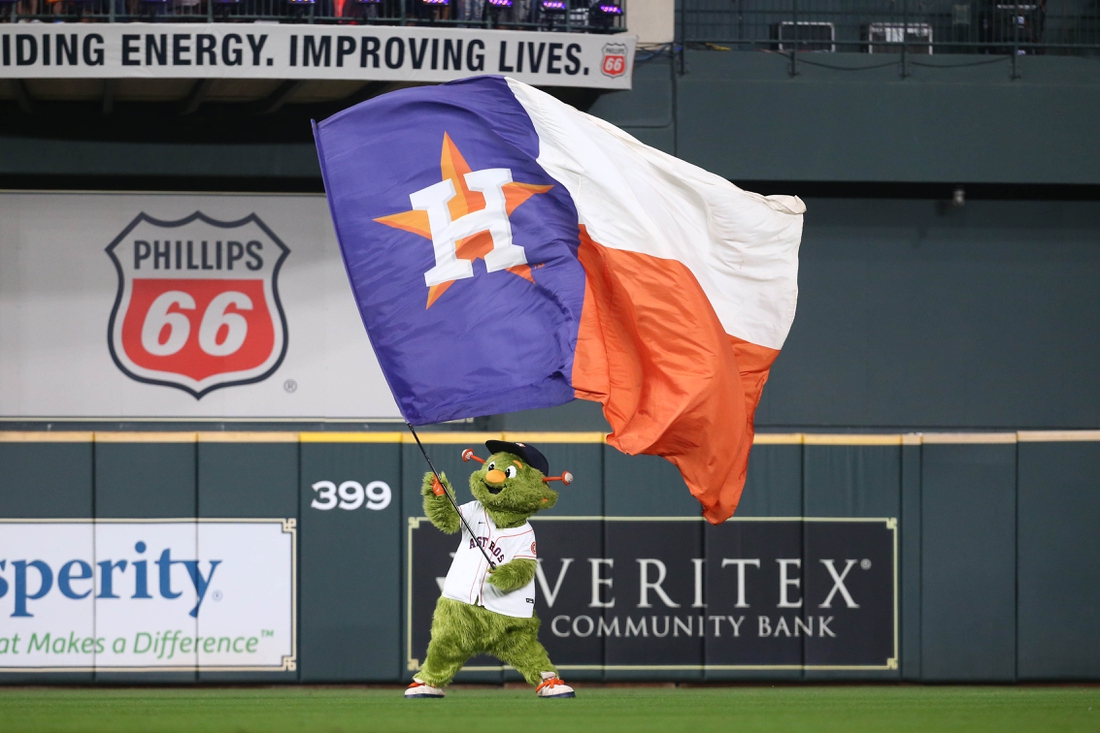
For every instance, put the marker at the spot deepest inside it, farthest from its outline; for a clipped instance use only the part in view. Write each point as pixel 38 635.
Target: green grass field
pixel 595 710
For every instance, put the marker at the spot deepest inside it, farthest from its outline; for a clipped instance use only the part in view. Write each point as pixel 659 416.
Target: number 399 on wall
pixel 351 495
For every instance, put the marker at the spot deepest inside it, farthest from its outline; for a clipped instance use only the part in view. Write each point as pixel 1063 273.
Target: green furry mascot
pixel 486 611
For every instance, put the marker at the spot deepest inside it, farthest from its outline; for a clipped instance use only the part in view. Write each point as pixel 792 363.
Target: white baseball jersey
pixel 467 579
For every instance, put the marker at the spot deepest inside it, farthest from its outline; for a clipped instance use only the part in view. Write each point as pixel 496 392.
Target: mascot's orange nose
pixel 496 476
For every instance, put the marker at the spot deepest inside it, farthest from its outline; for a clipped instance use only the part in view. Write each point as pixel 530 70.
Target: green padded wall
pixel 1059 566
pixel 253 480
pixel 997 575
pixel 47 480
pixel 968 563
pixel 146 476
pixel 350 566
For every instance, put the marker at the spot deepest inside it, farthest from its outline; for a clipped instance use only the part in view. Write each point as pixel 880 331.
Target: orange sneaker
pixel 423 689
pixel 552 686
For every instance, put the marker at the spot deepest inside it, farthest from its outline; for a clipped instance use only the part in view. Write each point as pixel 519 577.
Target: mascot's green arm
pixel 438 508
pixel 513 575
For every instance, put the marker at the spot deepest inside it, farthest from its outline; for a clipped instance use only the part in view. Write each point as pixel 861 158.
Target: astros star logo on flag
pixel 466 216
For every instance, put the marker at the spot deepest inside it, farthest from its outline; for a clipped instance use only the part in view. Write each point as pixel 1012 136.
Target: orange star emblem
pixel 465 201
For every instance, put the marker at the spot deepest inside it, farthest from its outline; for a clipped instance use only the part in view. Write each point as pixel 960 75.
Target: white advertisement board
pixel 295 51
pixel 177 306
pixel 139 595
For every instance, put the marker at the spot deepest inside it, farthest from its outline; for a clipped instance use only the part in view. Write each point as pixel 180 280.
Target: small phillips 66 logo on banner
pixel 198 302
pixel 614 60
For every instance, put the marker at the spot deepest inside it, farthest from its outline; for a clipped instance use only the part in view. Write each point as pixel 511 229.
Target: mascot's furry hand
pixel 437 506
pixel 431 487
pixel 513 575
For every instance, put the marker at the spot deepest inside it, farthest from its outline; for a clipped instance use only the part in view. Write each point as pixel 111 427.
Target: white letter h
pixel 446 232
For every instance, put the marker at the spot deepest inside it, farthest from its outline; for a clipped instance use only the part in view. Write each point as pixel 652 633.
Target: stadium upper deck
pixel 912 27
pixel 583 16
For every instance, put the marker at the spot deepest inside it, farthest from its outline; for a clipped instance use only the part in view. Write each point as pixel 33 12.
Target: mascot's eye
pixel 511 472
pixel 490 465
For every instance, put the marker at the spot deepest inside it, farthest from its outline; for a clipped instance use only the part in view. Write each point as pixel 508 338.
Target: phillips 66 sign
pixel 198 302
pixel 160 306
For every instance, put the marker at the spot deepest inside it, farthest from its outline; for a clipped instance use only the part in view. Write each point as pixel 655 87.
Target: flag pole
pixel 492 565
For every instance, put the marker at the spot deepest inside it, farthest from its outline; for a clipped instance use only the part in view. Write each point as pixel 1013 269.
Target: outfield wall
pixel 995 570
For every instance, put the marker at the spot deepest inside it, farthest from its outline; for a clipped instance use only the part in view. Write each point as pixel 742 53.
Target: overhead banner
pixel 146 595
pixel 179 306
pixel 297 51
pixel 619 593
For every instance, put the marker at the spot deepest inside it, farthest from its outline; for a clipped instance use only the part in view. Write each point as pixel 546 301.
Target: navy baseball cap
pixel 528 453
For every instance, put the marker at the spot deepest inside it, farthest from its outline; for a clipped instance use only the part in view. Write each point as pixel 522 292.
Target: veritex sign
pixel 630 593
pixel 244 51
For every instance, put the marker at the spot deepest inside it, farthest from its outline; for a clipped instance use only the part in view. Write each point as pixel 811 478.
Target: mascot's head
pixel 513 479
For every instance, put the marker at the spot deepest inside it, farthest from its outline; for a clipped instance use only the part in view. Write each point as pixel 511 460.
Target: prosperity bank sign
pixel 620 593
pixel 147 595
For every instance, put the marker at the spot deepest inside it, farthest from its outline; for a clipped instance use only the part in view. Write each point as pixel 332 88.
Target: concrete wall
pixel 743 116
pixel 652 21
pixel 740 114
pixel 918 314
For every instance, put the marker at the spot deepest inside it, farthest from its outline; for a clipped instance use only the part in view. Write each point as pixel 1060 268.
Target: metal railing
pixel 581 16
pixel 908 27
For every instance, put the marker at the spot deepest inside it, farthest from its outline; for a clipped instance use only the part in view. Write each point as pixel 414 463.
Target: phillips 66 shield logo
pixel 198 302
pixel 614 60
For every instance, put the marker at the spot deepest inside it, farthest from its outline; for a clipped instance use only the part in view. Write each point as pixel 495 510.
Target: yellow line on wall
pixel 149 436
pixel 1058 436
pixel 45 437
pixel 389 437
pixel 777 439
pixel 535 437
pixel 964 438
pixel 851 439
pixel 581 437
pixel 453 438
pixel 257 436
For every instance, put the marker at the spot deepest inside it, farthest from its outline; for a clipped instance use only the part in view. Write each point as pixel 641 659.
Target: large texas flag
pixel 509 252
